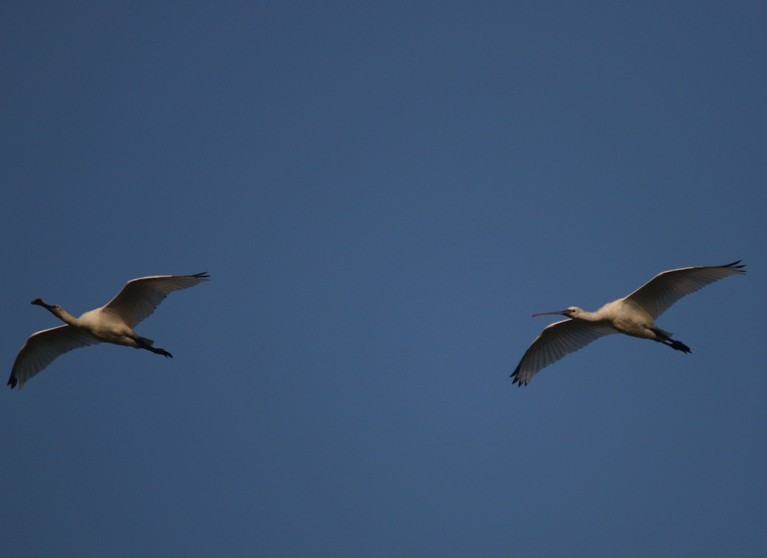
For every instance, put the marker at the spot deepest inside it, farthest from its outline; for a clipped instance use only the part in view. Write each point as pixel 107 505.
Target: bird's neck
pixel 64 316
pixel 587 316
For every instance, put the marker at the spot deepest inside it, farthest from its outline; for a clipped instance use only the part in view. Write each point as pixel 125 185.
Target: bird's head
pixel 39 302
pixel 570 312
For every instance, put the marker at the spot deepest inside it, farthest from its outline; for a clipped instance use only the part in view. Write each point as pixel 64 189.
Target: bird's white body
pixel 620 315
pixel 111 323
pixel 632 315
pixel 107 326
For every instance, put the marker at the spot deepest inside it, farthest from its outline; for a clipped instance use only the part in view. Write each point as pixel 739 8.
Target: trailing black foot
pixel 679 346
pixel 146 344
pixel 158 351
pixel 664 337
pixel 676 345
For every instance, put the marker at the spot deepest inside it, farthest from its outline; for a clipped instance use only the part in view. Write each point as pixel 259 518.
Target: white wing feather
pixel 556 341
pixel 139 297
pixel 44 347
pixel 657 295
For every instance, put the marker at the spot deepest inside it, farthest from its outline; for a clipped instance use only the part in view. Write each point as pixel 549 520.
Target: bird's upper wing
pixel 657 295
pixel 139 297
pixel 554 342
pixel 43 347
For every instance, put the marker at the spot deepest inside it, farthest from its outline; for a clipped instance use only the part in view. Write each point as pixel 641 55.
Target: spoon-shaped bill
pixel 557 313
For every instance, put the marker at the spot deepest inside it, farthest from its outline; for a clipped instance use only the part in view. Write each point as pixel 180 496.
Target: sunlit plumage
pixel 112 323
pixel 633 315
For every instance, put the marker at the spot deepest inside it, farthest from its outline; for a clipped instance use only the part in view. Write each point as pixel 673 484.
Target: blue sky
pixel 383 193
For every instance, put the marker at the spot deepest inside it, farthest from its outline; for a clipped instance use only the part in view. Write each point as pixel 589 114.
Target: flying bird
pixel 632 315
pixel 112 323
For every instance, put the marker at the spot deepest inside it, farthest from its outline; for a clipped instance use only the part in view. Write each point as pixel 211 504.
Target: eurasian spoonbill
pixel 633 315
pixel 112 323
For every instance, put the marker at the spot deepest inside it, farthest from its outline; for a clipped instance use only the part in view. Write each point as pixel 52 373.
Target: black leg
pixel 679 346
pixel 663 337
pixel 159 351
pixel 142 344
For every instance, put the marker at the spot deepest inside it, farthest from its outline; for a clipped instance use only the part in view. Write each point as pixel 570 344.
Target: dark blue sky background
pixel 383 193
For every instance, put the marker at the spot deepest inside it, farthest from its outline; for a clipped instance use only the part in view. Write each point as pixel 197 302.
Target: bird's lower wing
pixel 43 347
pixel 139 297
pixel 554 342
pixel 659 293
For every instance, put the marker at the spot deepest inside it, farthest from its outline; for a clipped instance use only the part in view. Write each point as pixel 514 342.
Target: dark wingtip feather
pixel 203 275
pixel 12 381
pixel 516 379
pixel 735 265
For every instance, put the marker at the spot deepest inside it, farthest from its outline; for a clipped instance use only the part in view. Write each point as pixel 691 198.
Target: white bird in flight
pixel 633 315
pixel 112 323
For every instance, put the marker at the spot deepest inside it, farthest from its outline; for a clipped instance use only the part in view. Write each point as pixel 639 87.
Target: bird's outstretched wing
pixel 554 342
pixel 659 293
pixel 44 347
pixel 139 297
